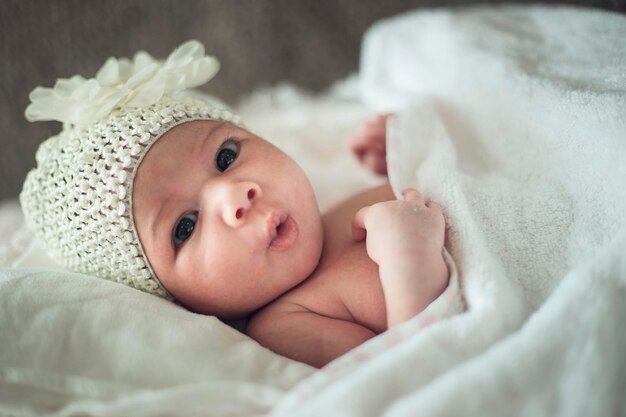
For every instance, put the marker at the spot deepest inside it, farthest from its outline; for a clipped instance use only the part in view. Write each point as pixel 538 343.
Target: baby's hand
pixel 405 238
pixel 368 144
pixel 398 230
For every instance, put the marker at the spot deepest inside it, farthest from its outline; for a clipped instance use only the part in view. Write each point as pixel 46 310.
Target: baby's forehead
pixel 194 127
pixel 211 130
pixel 183 144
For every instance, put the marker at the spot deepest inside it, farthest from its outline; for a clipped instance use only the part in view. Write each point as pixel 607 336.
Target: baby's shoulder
pixel 294 331
pixel 275 319
pixel 336 290
pixel 314 296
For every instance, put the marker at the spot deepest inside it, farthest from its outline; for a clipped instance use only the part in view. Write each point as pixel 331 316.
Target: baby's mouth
pixel 285 234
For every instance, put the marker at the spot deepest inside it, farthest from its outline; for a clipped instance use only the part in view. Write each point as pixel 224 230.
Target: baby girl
pixel 173 196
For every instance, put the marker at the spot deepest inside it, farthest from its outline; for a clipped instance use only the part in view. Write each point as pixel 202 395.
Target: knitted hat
pixel 78 199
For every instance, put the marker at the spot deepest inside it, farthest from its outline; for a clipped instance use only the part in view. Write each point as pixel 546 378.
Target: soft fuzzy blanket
pixel 515 121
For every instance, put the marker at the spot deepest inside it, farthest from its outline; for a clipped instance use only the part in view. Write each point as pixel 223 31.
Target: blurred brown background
pixel 259 42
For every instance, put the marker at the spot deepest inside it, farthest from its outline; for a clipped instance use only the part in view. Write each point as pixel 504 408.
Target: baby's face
pixel 227 220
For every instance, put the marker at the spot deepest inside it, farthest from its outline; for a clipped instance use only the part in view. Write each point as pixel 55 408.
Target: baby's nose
pixel 239 202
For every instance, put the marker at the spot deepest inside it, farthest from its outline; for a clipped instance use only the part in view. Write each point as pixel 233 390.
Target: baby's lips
pixel 286 235
pixel 272 221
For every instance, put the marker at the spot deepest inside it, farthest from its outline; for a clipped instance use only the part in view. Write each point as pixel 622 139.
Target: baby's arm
pixel 368 143
pixel 306 336
pixel 405 238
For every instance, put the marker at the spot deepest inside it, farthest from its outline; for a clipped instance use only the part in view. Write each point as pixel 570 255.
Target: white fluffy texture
pixel 515 121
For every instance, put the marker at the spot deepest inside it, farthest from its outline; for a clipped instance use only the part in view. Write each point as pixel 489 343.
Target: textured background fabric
pixel 261 42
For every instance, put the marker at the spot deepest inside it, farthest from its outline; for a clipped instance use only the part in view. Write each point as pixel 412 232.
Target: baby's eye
pixel 184 228
pixel 226 155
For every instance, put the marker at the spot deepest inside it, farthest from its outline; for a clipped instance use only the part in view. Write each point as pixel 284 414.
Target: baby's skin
pixel 231 228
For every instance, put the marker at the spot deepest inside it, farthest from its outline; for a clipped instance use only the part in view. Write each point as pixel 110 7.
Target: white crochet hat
pixel 78 199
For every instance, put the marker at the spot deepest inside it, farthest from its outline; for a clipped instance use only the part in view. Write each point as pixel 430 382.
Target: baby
pixel 173 196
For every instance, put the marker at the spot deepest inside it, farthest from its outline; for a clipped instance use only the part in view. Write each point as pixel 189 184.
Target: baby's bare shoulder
pixel 279 313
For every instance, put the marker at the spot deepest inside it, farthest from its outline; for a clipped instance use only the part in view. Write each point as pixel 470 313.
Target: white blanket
pixel 515 121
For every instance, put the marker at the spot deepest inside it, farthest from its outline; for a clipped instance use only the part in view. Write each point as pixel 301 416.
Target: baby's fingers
pixel 411 194
pixel 359 232
pixel 375 162
pixel 433 205
pixel 366 141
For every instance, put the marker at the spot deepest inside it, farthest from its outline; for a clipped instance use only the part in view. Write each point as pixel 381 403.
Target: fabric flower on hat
pixel 122 83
